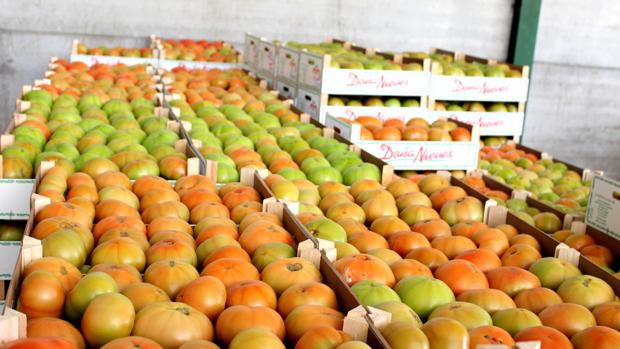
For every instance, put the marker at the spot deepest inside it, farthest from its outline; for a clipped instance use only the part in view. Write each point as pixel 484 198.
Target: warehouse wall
pixel 573 111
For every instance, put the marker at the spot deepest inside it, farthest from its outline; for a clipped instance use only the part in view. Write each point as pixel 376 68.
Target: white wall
pixel 574 106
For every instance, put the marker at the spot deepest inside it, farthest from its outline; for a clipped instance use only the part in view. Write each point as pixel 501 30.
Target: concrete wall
pixel 574 109
pixel 574 82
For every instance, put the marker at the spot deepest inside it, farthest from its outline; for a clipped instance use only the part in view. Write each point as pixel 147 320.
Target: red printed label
pixel 381 83
pixel 419 155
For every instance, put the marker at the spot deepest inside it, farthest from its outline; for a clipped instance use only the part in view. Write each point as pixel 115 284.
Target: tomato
pixel 446 333
pixel 65 244
pixel 468 314
pixel 239 196
pixel 130 233
pixel 461 275
pixel 515 320
pixel 423 294
pixel 209 246
pixel 599 337
pixel 388 225
pixel 41 295
pixel 314 293
pixel 39 343
pixel 53 327
pixel 256 338
pixel 237 318
pixel 520 255
pixel 16 167
pixel 171 324
pixel 168 223
pixel 259 216
pixel 462 209
pixel 123 274
pixel 208 209
pixel 404 242
pixel 489 335
pixel 11 232
pixel 118 313
pixel 548 337
pixel 65 272
pixel 547 222
pixel 512 280
pixel 354 344
pixel 607 314
pixel 322 337
pixel 586 290
pixel 452 246
pixel 132 342
pixel 119 251
pixel 371 293
pixel 177 236
pixel 568 318
pixel 409 267
pixel 552 271
pixel 327 229
pixel 170 276
pixel 90 286
pixel 142 294
pixel 109 208
pixel 231 270
pixel 415 214
pixel 431 257
pixel 442 196
pixel 364 267
pixel 199 344
pixel 146 184
pixel 305 317
pixel 252 293
pixel 121 194
pixel 482 258
pixel 432 182
pixel 260 233
pixel 287 272
pixel 173 209
pixel 402 335
pixel 537 299
pixel 400 312
pixel 171 249
pixel 488 299
pixel 206 294
pixel 110 178
pixel 271 252
pixel 365 241
pixel 112 222
pixel 491 239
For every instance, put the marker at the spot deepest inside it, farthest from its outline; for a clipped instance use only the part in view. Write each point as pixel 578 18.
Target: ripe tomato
pixel 132 342
pixel 287 272
pixel 53 327
pixel 65 272
pixel 252 293
pixel 237 318
pixel 170 276
pixel 315 293
pixel 305 317
pixel 39 343
pixel 364 267
pixel 171 324
pixel 41 295
pixel 548 337
pixel 119 314
pixel 206 294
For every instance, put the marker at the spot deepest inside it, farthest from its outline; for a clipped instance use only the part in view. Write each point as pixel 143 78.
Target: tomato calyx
pixel 183 310
pixel 294 267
